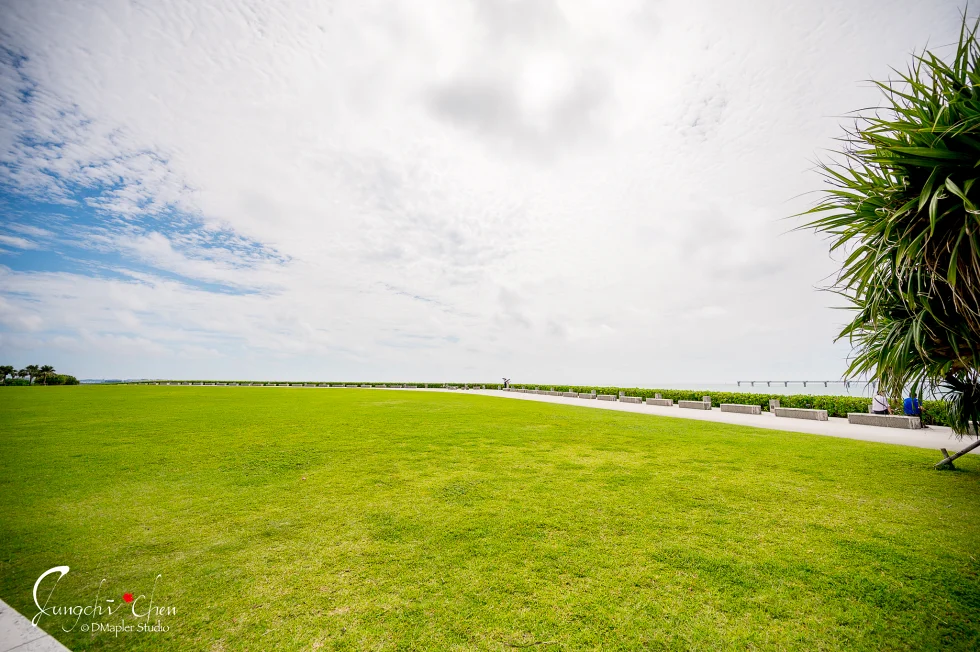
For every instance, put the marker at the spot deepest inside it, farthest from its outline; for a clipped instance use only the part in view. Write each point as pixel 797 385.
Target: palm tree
pixel 6 370
pixel 903 209
pixel 31 371
pixel 46 372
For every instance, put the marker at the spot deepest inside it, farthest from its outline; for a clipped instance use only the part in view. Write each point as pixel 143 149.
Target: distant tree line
pixel 34 374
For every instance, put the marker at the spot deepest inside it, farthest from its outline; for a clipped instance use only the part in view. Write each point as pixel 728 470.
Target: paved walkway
pixel 17 634
pixel 934 437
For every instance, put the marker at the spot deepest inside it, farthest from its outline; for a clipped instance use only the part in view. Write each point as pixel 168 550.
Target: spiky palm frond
pixel 903 207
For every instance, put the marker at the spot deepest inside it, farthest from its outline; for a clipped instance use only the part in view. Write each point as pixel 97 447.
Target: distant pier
pixel 847 382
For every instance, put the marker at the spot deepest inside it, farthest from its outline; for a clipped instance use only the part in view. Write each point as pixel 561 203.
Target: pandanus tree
pixel 5 370
pixel 903 210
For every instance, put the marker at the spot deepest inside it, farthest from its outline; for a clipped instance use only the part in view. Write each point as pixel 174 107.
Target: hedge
pixel 56 379
pixel 933 412
pixel 60 379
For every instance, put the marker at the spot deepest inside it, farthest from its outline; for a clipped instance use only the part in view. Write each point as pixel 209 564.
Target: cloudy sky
pixel 551 190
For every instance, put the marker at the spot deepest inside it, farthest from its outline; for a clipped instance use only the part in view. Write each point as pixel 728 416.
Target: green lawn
pixel 372 519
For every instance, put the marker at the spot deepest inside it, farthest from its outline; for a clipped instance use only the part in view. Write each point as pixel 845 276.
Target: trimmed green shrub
pixel 16 382
pixel 54 379
pixel 933 412
pixel 61 379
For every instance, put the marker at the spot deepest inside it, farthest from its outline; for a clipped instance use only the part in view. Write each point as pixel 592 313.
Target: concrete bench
pixel 588 395
pixel 570 394
pixel 740 408
pixel 630 399
pixel 411 386
pixel 606 397
pixel 694 405
pixel 884 420
pixel 663 402
pixel 801 413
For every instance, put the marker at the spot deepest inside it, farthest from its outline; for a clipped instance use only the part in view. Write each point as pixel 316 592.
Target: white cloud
pixel 545 190
pixel 30 230
pixel 17 242
pixel 706 312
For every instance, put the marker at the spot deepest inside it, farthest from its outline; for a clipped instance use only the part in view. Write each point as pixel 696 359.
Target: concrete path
pixel 17 634
pixel 934 437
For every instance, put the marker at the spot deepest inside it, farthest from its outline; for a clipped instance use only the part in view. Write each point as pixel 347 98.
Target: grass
pixel 373 519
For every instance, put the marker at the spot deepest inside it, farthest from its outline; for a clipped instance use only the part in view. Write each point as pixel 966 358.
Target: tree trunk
pixel 949 459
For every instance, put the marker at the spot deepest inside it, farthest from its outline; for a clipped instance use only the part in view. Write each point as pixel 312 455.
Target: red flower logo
pixel 128 597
